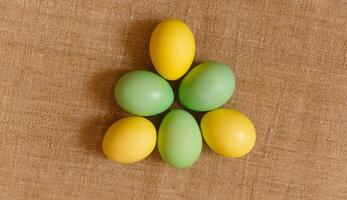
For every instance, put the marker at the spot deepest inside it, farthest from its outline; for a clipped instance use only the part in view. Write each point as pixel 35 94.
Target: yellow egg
pixel 227 132
pixel 129 140
pixel 172 48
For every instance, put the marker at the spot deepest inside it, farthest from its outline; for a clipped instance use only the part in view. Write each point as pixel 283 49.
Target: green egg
pixel 179 139
pixel 207 86
pixel 143 93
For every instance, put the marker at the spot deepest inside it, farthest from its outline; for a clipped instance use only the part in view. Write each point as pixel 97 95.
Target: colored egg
pixel 172 48
pixel 179 139
pixel 129 140
pixel 228 132
pixel 143 93
pixel 207 86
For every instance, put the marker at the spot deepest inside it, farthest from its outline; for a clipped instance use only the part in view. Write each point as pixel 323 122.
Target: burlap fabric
pixel 59 61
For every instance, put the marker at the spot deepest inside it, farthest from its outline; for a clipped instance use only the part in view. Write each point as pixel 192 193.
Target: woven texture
pixel 59 61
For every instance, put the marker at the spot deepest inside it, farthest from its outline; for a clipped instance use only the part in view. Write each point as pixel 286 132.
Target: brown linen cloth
pixel 59 61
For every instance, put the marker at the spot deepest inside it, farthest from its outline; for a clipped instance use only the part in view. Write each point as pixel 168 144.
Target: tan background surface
pixel 59 61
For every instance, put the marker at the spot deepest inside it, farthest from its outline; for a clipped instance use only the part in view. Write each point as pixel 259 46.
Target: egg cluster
pixel 205 88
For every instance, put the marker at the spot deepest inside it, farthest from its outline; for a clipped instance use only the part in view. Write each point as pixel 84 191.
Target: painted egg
pixel 207 86
pixel 227 132
pixel 172 48
pixel 143 93
pixel 129 140
pixel 179 139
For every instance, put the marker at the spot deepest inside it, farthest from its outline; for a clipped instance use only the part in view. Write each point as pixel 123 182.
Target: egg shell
pixel 207 86
pixel 129 140
pixel 228 132
pixel 172 48
pixel 179 139
pixel 143 93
